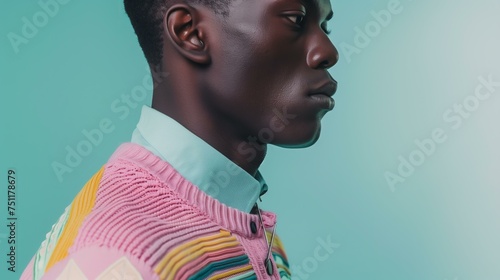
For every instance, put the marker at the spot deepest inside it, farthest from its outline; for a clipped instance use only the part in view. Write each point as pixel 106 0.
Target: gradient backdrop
pixel 401 82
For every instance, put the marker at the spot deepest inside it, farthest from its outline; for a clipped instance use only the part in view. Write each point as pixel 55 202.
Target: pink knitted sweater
pixel 138 218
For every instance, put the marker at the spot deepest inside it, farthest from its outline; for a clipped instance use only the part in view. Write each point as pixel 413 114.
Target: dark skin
pixel 228 77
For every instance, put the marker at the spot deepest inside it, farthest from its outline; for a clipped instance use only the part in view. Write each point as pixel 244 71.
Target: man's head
pixel 241 68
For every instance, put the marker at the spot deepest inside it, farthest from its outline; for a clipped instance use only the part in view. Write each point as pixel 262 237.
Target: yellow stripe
pixel 277 240
pixel 174 260
pixel 277 244
pixel 179 261
pixel 231 272
pixel 279 248
pixel 80 208
pixel 160 266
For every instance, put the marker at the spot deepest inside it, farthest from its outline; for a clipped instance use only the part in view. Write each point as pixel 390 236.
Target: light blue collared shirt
pixel 197 161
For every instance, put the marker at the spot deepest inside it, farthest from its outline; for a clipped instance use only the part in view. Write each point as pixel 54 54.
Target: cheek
pixel 254 77
pixel 258 57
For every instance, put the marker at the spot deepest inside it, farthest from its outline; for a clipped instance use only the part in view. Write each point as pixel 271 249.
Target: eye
pixel 297 19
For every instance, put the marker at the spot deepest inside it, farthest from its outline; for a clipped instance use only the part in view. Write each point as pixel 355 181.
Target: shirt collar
pixel 197 161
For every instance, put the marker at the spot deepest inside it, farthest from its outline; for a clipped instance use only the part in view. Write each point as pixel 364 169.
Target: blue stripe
pixel 285 262
pixel 220 265
pixel 250 275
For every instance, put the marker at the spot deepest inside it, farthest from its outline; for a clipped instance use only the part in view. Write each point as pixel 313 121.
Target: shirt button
pixel 253 227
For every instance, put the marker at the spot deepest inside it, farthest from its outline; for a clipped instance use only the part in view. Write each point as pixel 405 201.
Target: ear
pixel 181 28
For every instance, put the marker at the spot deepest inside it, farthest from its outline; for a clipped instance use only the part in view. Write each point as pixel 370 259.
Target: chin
pixel 298 140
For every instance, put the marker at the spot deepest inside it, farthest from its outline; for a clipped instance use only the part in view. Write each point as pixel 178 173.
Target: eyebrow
pixel 315 4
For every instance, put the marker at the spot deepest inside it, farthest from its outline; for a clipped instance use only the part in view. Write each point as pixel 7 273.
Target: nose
pixel 322 53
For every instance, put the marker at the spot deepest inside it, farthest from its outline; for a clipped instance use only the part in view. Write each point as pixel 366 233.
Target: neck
pixel 182 103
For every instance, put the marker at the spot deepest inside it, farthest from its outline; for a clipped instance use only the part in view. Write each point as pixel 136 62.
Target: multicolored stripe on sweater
pixel 137 218
pixel 279 256
pixel 205 256
pixel 63 233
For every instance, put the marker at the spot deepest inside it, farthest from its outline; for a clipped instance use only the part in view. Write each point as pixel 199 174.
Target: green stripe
pixel 283 260
pixel 220 265
pixel 250 275
pixel 284 275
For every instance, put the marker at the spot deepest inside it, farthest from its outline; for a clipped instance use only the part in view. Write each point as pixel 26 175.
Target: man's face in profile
pixel 269 69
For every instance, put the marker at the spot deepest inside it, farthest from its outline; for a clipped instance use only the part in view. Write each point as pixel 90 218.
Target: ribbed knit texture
pixel 137 206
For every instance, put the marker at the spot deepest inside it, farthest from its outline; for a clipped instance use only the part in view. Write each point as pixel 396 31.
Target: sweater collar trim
pixel 228 217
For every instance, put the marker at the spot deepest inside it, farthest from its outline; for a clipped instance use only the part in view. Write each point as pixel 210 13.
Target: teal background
pixel 441 223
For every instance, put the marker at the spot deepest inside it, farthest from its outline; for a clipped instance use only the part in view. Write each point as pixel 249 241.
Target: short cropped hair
pixel 146 17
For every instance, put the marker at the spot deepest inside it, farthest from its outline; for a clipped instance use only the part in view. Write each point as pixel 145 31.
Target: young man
pixel 180 200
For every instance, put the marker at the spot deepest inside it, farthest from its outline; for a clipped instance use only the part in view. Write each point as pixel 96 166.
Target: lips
pixel 322 95
pixel 324 101
pixel 328 88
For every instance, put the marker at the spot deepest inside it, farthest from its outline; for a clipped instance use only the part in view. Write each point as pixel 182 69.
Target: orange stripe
pixel 80 208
